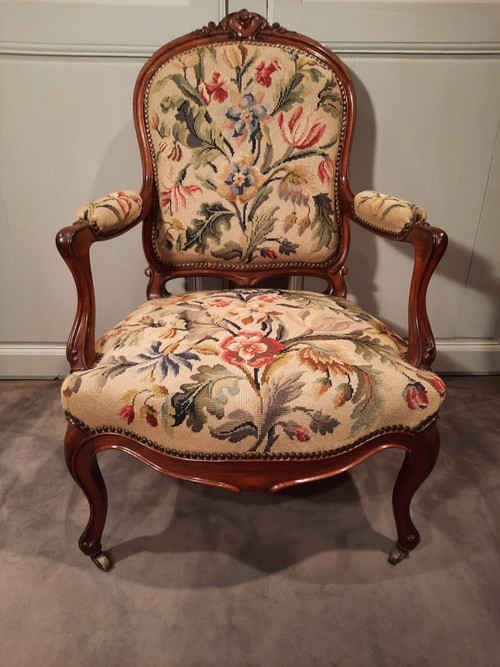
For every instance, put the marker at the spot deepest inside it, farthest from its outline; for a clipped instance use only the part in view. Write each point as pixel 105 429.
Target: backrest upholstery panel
pixel 245 139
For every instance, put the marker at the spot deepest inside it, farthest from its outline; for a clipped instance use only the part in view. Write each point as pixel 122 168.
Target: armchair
pixel 245 131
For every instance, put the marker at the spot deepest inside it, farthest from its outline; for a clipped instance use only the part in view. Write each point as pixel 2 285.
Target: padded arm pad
pixel 112 213
pixel 386 215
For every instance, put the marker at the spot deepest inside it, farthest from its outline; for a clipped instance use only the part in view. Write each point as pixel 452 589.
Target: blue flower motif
pixel 239 178
pixel 245 117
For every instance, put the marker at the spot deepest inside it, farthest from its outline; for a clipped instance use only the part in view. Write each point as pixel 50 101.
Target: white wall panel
pixel 426 76
pixel 425 133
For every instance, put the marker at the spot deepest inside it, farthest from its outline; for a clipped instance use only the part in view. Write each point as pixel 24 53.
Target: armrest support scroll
pixel 429 244
pixel 74 244
pixel 400 220
pixel 102 219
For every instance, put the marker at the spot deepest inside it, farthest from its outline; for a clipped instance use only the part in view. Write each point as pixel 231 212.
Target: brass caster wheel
pixel 102 561
pixel 397 554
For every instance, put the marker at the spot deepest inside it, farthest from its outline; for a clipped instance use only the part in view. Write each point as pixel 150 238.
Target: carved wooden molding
pixel 243 25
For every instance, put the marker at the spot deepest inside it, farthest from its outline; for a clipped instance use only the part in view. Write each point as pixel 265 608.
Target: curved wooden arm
pixel 74 244
pixel 429 244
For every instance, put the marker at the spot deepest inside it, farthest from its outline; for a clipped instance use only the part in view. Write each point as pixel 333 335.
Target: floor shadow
pixel 266 533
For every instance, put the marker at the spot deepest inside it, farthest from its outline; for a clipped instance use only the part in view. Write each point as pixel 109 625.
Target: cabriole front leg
pixel 420 457
pixel 82 464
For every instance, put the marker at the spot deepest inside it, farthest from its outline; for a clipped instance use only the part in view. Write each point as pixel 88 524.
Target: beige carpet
pixel 206 577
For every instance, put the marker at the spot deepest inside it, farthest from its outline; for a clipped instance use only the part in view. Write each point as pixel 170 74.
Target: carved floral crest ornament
pixel 244 130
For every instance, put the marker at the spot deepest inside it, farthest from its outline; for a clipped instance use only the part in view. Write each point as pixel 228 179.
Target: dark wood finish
pixel 429 244
pixel 81 449
pixel 83 445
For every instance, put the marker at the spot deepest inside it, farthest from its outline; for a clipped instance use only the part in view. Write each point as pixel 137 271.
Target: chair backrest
pixel 244 130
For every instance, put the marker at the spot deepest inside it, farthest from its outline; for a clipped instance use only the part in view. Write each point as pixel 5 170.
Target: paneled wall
pixel 426 76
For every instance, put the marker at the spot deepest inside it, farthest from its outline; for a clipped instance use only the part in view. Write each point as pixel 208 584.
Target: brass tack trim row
pixel 223 456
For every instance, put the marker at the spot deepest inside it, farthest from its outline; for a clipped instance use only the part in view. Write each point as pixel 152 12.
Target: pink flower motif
pixel 268 298
pixel 175 195
pixel 123 202
pixel 263 72
pixel 295 184
pixel 301 130
pixel 326 170
pixel 416 396
pixel 301 433
pixel 216 89
pixel 251 348
pixel 439 386
pixel 218 303
pixel 127 412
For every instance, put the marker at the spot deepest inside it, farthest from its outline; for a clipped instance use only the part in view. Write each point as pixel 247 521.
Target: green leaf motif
pixel 287 247
pixel 187 89
pixel 389 208
pixel 206 395
pixel 206 183
pixel 323 424
pixel 324 221
pixel 230 250
pixel 214 218
pixel 258 229
pixel 239 425
pixel 366 398
pixel 330 99
pixel 113 367
pixel 199 68
pixel 261 196
pixel 289 94
pixel 194 131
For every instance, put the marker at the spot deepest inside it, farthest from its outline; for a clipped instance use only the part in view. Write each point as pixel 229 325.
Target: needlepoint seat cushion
pixel 260 372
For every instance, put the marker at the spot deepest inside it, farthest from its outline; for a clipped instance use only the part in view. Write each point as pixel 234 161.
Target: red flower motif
pixel 216 89
pixel 439 386
pixel 251 348
pixel 151 419
pixel 174 194
pixel 219 302
pixel 301 131
pixel 326 170
pixel 301 433
pixel 127 412
pixel 178 195
pixel 123 202
pixel 263 72
pixel 416 396
pixel 271 254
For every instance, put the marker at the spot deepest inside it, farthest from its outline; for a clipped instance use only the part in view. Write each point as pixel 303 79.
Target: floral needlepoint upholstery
pixel 111 213
pixel 245 141
pixel 386 214
pixel 272 372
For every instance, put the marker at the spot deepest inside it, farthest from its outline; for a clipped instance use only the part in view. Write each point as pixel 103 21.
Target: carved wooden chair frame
pixel 83 444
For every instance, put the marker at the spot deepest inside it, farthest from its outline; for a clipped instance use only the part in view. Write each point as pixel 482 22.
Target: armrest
pixel 111 214
pixel 399 220
pixel 386 215
pixel 100 220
